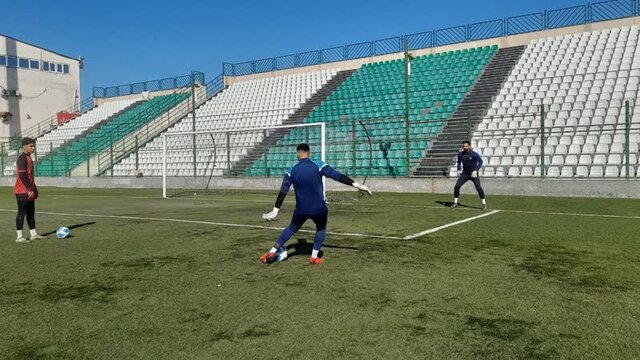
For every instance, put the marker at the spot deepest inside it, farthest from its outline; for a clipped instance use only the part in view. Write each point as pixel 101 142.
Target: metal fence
pixel 47 125
pixel 555 144
pixel 548 143
pixel 152 85
pixel 539 144
pixel 119 146
pixel 545 20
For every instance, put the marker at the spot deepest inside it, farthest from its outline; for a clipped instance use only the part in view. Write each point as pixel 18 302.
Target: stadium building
pixel 35 84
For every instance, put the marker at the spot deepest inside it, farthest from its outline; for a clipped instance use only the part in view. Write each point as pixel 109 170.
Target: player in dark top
pixel 306 178
pixel 26 191
pixel 469 162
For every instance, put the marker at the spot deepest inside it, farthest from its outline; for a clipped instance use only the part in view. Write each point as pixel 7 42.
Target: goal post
pixel 192 162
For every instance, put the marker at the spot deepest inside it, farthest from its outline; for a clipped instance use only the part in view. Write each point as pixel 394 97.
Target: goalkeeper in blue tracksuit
pixel 469 163
pixel 306 178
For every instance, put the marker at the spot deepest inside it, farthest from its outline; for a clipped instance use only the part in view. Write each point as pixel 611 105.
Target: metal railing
pixel 85 156
pixel 47 125
pixel 132 143
pixel 540 145
pixel 151 85
pixel 516 145
pixel 545 20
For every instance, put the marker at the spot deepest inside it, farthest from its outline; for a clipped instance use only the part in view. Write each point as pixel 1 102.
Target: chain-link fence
pixel 97 148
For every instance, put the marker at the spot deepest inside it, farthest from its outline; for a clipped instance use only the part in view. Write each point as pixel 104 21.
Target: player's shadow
pixel 449 203
pixel 75 226
pixel 302 247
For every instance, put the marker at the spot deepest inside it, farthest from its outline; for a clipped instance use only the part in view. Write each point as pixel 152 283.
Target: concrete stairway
pixel 297 118
pixel 441 154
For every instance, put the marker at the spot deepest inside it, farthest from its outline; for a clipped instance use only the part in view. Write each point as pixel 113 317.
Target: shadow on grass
pixel 449 203
pixel 75 226
pixel 302 247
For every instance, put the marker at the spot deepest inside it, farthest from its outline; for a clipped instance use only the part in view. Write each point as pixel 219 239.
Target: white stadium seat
pixel 261 102
pixel 584 79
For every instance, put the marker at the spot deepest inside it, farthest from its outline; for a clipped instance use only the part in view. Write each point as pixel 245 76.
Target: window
pixel 59 68
pixel 35 64
pixel 65 69
pixel 45 66
pixel 23 63
pixel 3 60
pixel 52 67
pixel 12 61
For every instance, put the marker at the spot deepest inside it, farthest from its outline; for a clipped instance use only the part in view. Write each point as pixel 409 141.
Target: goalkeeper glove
pixel 361 188
pixel 271 215
pixel 474 174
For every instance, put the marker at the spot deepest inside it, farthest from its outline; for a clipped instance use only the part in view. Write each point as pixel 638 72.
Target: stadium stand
pixel 77 127
pixel 375 95
pixel 253 103
pixel 73 153
pixel 469 113
pixel 582 80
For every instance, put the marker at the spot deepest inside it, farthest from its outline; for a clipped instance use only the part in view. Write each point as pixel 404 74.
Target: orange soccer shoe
pixel 315 261
pixel 268 258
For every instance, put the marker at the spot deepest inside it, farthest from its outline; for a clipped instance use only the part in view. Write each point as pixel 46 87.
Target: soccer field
pixel 147 278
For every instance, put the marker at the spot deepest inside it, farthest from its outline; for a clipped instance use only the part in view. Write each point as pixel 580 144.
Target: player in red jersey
pixel 26 191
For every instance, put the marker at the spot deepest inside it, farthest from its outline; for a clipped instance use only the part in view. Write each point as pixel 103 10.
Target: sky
pixel 131 41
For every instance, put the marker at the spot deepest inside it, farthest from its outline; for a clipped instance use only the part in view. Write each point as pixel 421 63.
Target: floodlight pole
pixel 407 74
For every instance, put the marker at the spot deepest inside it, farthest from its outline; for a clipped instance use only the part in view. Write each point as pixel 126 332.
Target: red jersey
pixel 25 179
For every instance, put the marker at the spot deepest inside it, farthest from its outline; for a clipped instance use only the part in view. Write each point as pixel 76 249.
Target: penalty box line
pixel 184 221
pixel 431 231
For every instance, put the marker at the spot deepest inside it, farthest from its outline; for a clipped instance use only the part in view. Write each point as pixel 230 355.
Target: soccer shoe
pixel 268 258
pixel 22 240
pixel 37 237
pixel 454 205
pixel 315 261
pixel 485 207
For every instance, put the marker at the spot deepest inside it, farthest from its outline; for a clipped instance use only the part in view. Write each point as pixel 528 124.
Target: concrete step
pixel 297 118
pixel 468 114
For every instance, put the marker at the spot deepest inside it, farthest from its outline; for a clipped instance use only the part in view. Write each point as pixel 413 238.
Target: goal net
pixel 195 163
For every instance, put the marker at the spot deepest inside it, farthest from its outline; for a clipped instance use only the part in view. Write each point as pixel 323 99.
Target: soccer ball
pixel 62 232
pixel 281 254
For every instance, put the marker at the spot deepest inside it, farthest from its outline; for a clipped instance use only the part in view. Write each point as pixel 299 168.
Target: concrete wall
pixel 43 93
pixel 506 41
pixel 532 187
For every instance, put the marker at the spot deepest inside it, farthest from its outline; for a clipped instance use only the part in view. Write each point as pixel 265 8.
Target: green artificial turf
pixel 529 282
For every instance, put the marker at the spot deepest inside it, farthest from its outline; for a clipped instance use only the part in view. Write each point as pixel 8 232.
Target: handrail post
pixel 111 154
pixel 543 141
pixel 407 70
pixel 88 161
pixel 266 156
pixel 137 151
pixel 354 149
pixel 51 156
pixel 193 123
pixel 228 153
pixel 627 122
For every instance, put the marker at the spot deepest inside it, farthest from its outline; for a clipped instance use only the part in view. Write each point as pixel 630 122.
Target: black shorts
pixel 319 219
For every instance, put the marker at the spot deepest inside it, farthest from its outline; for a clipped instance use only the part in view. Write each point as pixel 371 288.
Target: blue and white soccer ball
pixel 281 254
pixel 62 232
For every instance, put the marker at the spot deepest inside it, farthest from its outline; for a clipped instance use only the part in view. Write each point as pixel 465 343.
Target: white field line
pixel 269 201
pixel 430 231
pixel 208 223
